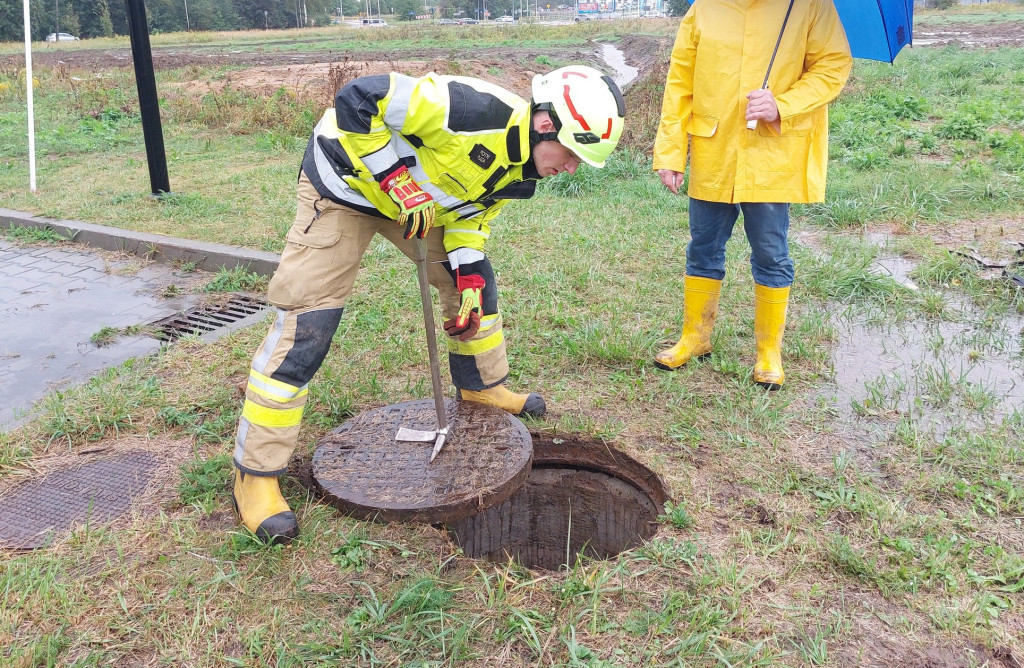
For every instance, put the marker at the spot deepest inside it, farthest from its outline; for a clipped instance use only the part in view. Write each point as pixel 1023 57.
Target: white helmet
pixel 587 108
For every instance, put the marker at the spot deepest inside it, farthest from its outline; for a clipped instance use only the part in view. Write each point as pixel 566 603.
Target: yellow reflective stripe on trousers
pixel 275 390
pixel 274 418
pixel 276 397
pixel 476 346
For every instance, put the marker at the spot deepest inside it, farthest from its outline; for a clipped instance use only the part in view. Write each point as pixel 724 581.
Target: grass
pixel 805 529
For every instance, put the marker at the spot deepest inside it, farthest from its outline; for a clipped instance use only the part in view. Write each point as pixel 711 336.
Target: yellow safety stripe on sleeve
pixel 488 321
pixel 265 386
pixel 476 346
pixel 274 418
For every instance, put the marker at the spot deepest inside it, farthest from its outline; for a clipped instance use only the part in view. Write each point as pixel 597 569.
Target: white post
pixel 28 97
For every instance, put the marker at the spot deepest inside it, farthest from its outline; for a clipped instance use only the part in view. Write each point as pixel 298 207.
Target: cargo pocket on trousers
pixel 305 264
pixel 314 233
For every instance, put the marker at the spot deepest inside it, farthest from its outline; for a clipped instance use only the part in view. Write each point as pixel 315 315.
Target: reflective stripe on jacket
pixel 720 55
pixel 465 141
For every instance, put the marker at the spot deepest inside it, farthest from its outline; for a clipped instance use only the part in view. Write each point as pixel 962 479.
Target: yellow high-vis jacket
pixel 721 54
pixel 464 140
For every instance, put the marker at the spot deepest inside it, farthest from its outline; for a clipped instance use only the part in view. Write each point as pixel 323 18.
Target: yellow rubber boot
pixel 769 322
pixel 700 306
pixel 520 405
pixel 262 509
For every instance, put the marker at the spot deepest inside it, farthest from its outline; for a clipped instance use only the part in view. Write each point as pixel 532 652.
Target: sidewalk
pixel 54 298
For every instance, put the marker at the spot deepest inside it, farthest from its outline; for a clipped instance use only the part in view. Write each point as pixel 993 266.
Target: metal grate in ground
pixel 211 321
pixel 95 492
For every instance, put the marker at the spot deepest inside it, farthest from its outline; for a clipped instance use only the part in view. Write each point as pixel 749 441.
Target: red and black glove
pixel 415 207
pixel 467 323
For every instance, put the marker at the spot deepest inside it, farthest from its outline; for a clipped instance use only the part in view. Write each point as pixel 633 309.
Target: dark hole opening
pixel 580 498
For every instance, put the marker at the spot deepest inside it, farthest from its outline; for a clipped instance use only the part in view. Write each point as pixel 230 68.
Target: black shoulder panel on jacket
pixel 356 103
pixel 516 190
pixel 515 152
pixel 472 111
pixel 335 152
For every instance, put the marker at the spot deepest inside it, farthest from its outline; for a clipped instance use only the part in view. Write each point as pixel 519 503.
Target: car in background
pixel 375 22
pixel 504 19
pixel 447 22
pixel 468 22
pixel 61 37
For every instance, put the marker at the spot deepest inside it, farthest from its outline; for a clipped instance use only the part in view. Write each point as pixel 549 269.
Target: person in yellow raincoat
pixel 713 90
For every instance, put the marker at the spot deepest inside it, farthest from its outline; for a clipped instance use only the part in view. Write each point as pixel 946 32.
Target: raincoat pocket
pixel 797 126
pixel 702 126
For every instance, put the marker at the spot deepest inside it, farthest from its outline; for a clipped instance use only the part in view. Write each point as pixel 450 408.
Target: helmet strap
pixel 537 137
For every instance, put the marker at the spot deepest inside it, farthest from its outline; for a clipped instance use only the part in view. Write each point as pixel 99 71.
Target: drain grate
pixel 98 491
pixel 239 311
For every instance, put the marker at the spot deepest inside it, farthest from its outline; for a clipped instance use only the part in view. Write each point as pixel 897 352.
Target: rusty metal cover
pixel 363 471
pixel 99 491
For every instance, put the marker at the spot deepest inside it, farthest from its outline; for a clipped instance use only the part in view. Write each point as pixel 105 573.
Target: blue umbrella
pixel 877 29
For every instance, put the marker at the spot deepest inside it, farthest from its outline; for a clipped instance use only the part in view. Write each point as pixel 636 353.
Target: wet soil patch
pixel 581 498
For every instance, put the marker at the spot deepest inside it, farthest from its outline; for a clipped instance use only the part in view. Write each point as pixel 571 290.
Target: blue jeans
pixel 767 227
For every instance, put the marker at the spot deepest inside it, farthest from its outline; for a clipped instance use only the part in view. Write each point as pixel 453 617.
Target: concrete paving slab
pixel 53 299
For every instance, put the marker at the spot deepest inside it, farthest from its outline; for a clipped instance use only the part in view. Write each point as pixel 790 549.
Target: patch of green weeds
pixel 110 403
pixel 203 482
pixel 238 279
pixel 677 516
pixel 353 553
pixel 105 336
pixel 211 420
pixel 31 235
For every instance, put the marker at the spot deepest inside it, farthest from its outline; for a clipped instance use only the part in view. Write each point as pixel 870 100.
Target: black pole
pixel 149 108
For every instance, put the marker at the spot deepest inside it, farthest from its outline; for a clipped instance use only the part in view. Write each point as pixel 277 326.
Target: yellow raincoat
pixel 721 54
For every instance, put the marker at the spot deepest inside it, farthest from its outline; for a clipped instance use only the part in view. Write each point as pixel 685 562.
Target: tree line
pixel 106 18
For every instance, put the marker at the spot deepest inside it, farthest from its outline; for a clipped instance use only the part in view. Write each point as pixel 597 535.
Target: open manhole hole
pixel 211 322
pixel 580 498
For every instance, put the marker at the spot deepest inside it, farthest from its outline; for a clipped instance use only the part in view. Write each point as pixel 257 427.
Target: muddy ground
pixel 267 71
pixel 641 51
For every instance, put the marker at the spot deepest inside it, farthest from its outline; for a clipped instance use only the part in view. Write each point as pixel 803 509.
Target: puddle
pixel 613 57
pixel 962 371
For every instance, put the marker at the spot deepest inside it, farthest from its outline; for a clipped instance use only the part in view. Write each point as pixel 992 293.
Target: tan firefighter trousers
pixel 314 279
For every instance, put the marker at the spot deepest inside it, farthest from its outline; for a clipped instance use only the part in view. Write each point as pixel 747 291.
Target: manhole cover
pixel 95 492
pixel 580 498
pixel 365 472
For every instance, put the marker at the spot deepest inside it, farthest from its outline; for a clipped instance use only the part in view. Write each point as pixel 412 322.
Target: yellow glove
pixel 466 324
pixel 415 207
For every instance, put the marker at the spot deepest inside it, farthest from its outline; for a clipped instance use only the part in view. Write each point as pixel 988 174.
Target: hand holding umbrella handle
pixel 752 123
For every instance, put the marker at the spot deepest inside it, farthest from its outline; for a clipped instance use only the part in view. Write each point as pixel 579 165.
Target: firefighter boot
pixel 769 321
pixel 700 306
pixel 520 405
pixel 262 509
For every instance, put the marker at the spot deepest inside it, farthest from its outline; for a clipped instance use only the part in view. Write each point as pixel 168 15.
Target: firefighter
pixel 441 156
pixel 713 91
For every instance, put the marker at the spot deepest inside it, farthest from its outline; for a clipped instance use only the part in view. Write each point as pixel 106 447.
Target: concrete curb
pixel 156 247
